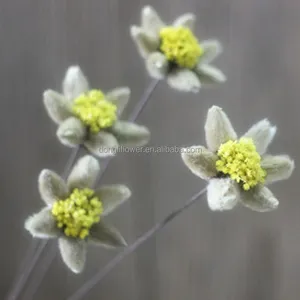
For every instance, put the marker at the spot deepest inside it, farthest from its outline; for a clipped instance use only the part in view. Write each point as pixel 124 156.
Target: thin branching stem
pixel 50 257
pixel 34 253
pixel 85 288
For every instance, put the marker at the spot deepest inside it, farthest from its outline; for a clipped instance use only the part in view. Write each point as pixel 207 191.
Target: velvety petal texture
pixel 184 80
pixel 57 106
pixel 102 144
pixel 84 173
pixel 51 187
pixel 75 83
pixel 262 134
pixel 119 97
pixel 218 128
pixel 259 199
pixel 209 74
pixel 212 49
pixel 157 65
pixel 151 21
pixel 73 253
pixel 71 132
pixel 200 161
pixel 112 196
pixel 186 20
pixel 106 236
pixel 129 134
pixel 42 225
pixel 278 167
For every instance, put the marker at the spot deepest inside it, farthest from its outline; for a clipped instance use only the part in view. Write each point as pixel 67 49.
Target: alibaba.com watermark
pixel 149 150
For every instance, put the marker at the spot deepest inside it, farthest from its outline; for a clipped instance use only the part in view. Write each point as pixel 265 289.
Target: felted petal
pixel 259 199
pixel 186 20
pixel 262 134
pixel 218 128
pixel 278 167
pixel 71 132
pixel 212 49
pixel 130 134
pixel 157 65
pixel 144 42
pixel 42 225
pixel 73 253
pixel 112 196
pixel 222 194
pixel 75 83
pixel 107 236
pixel 57 106
pixel 184 80
pixel 151 21
pixel 51 186
pixel 102 144
pixel 200 161
pixel 84 173
pixel 209 74
pixel 119 97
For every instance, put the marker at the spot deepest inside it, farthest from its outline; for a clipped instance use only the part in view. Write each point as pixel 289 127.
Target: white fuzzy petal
pixel 186 20
pixel 73 253
pixel 84 173
pixel 184 80
pixel 145 43
pixel 57 106
pixel 75 83
pixel 102 144
pixel 51 186
pixel 120 97
pixel 157 65
pixel 218 128
pixel 212 49
pixel 259 199
pixel 112 196
pixel 71 132
pixel 262 134
pixel 222 194
pixel 42 225
pixel 151 21
pixel 200 161
pixel 277 167
pixel 209 74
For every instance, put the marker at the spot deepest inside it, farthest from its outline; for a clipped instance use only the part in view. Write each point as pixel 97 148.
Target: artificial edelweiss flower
pixel 173 51
pixel 237 169
pixel 74 212
pixel 90 117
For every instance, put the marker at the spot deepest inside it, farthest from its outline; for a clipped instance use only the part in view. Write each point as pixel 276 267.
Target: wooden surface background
pixel 201 255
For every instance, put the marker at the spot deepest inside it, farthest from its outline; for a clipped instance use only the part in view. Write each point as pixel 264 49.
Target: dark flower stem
pixel 85 288
pixel 36 249
pixel 50 257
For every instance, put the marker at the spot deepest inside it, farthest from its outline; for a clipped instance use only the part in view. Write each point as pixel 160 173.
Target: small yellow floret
pixel 78 213
pixel 241 161
pixel 180 46
pixel 94 110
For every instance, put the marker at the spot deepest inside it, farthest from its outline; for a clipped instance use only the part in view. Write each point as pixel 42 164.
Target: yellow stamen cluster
pixel 76 214
pixel 240 160
pixel 94 110
pixel 180 46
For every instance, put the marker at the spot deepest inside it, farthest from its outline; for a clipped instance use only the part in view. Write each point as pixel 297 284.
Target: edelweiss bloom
pixel 74 212
pixel 90 117
pixel 237 169
pixel 173 51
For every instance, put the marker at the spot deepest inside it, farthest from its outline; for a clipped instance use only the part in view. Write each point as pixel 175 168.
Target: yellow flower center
pixel 240 160
pixel 180 46
pixel 94 110
pixel 78 213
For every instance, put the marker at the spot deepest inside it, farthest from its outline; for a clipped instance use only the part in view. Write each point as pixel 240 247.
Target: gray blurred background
pixel 201 255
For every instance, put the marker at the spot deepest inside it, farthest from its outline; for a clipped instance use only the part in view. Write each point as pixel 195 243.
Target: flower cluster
pixel 173 52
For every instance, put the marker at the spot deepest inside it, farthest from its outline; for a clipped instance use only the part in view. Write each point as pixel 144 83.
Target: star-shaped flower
pixel 90 117
pixel 173 52
pixel 237 169
pixel 74 212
